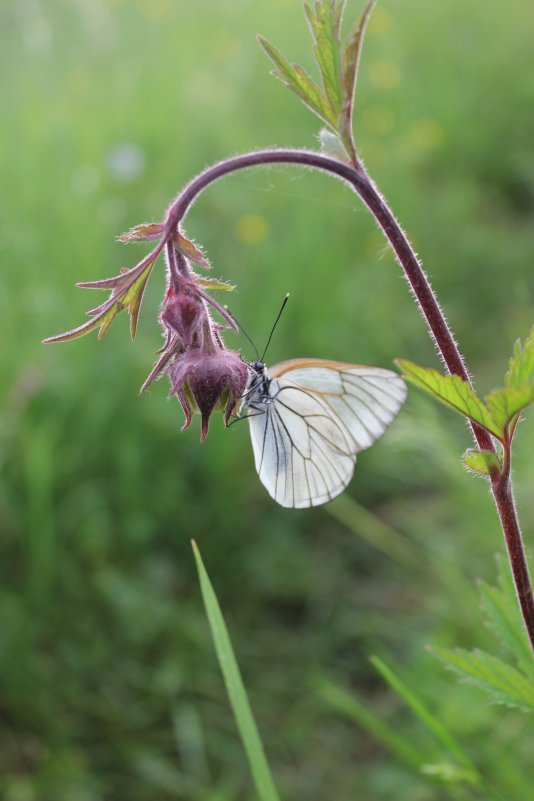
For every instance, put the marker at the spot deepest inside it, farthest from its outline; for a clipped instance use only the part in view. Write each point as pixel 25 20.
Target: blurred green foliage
pixel 109 688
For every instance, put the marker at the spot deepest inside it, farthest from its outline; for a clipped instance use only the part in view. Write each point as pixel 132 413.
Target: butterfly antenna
pixel 274 326
pixel 243 330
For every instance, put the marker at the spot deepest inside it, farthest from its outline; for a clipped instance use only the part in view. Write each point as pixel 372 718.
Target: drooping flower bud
pixel 182 311
pixel 209 380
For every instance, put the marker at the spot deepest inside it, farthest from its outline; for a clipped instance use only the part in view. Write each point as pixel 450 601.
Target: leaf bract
pixel 503 682
pixel 482 462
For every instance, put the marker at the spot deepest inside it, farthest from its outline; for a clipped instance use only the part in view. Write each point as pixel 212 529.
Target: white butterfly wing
pixel 303 452
pixel 366 399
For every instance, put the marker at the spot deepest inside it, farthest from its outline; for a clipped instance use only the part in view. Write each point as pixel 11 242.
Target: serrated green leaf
pixel 504 683
pixel 504 403
pixel 235 688
pixel 334 102
pixel 453 391
pixel 350 60
pixel 314 97
pixel 500 607
pixel 521 364
pixel 296 79
pixel 325 21
pixel 285 71
pixel 481 461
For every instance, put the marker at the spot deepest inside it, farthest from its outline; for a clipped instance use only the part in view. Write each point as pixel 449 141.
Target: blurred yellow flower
pixel 378 119
pixel 251 229
pixel 79 81
pixel 427 134
pixel 154 9
pixel 376 153
pixel 384 74
pixel 380 21
pixel 224 46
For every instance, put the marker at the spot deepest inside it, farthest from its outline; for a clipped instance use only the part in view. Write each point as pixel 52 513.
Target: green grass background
pixel 109 687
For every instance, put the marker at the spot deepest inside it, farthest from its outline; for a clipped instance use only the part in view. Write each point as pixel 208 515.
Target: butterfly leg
pixel 257 413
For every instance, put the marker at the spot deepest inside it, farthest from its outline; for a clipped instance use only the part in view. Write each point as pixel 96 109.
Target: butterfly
pixel 309 419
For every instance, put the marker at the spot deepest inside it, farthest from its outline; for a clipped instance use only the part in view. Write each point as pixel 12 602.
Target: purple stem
pixel 362 184
pixel 178 268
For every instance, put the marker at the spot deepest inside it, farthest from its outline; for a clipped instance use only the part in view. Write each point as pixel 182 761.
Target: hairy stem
pixel 362 184
pixel 504 501
pixel 178 266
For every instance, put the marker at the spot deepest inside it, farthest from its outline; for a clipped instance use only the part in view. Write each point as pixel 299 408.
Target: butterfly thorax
pixel 258 389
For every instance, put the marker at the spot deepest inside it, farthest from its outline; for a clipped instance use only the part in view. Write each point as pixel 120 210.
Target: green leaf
pixel 212 283
pixel 127 289
pixel 504 683
pixel 294 77
pixel 481 461
pixel 454 392
pixel 313 95
pixel 339 68
pixel 351 707
pixel 521 365
pixel 131 300
pixel 236 690
pixel 504 403
pixel 350 60
pixel 325 22
pixel 500 607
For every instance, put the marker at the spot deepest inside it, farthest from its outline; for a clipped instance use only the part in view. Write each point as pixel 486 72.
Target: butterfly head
pixel 258 367
pixel 260 378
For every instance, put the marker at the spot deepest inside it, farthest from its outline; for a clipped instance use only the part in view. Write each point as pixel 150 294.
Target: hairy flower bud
pixel 182 312
pixel 209 380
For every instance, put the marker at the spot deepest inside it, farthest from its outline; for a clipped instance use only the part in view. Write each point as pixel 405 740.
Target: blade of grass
pixel 235 688
pixel 375 531
pixel 442 735
pixel 434 726
pixel 351 707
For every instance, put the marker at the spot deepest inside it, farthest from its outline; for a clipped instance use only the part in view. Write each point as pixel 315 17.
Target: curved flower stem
pixel 362 184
